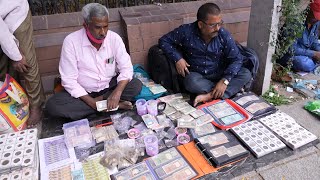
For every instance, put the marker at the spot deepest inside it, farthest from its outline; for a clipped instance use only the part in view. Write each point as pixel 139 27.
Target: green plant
pixel 273 97
pixel 291 26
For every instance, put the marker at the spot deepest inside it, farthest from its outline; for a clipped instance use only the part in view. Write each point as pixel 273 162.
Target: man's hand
pixel 316 56
pixel 219 89
pixel 113 99
pixel 21 65
pixel 182 67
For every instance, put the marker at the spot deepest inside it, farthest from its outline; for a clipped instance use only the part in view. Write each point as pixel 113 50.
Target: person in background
pixel 206 56
pixel 94 66
pixel 305 52
pixel 17 53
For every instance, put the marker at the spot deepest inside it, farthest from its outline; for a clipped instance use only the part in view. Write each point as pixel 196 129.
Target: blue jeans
pixel 303 63
pixel 199 84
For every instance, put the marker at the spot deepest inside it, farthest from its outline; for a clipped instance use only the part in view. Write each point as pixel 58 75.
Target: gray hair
pixel 94 10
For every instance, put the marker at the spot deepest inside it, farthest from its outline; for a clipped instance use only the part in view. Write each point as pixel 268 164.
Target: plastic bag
pixel 313 106
pixel 14 106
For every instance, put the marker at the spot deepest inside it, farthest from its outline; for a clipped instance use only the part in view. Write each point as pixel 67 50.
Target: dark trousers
pixel 199 84
pixel 63 105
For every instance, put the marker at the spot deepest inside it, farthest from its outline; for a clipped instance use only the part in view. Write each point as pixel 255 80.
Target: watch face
pixel 226 82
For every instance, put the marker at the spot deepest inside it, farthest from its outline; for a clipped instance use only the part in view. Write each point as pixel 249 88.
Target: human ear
pixel 200 25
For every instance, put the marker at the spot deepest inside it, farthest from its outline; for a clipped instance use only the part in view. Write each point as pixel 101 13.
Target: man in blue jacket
pixel 206 56
pixel 306 49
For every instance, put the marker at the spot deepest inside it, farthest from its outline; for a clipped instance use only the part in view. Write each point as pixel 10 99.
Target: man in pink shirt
pixel 94 65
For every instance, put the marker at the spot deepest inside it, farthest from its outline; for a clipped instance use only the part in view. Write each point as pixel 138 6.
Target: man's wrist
pixel 225 81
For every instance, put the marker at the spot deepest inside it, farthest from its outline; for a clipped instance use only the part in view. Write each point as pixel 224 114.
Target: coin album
pixel 288 130
pixel 259 139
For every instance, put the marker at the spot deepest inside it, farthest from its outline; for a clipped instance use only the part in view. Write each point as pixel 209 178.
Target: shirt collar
pixel 196 28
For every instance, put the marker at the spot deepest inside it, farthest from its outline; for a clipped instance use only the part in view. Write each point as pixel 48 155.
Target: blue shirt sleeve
pixel 316 46
pixel 298 51
pixel 232 55
pixel 169 42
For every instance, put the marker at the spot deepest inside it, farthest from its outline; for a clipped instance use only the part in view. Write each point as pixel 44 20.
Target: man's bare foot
pixel 202 98
pixel 35 116
pixel 127 105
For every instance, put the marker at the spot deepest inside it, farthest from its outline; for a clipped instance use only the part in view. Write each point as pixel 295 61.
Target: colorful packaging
pixel 14 106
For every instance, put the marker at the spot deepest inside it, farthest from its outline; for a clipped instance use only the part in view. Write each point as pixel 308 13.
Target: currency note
pixel 102 105
pixel 189 109
pixel 197 113
pixel 186 118
pixel 219 151
pixel 175 115
pixel 184 124
pixel 184 173
pixel 207 118
pixel 242 101
pixel 169 110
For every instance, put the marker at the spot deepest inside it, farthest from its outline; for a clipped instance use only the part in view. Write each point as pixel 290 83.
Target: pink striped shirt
pixel 84 69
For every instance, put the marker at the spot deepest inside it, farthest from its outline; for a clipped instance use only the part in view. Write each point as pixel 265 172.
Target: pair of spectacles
pixel 214 25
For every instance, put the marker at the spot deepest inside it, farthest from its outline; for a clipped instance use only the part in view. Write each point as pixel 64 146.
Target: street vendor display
pixel 158 146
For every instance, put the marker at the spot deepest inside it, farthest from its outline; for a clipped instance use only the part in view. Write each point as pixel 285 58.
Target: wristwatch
pixel 226 82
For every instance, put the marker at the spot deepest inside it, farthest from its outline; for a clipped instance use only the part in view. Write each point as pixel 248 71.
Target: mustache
pixel 214 33
pixel 101 37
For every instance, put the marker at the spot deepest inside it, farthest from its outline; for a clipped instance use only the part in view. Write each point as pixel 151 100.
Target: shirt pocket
pixel 217 56
pixel 110 67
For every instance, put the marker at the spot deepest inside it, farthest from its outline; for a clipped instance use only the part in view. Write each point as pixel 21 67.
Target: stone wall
pixel 140 27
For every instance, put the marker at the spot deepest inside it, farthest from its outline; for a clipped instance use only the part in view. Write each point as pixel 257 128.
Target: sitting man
pixel 305 52
pixel 94 65
pixel 211 63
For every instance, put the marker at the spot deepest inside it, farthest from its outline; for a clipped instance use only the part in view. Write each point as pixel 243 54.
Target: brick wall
pixel 144 25
pixel 140 27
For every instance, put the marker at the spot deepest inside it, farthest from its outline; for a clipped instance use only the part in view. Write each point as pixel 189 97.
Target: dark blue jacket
pixel 308 43
pixel 219 59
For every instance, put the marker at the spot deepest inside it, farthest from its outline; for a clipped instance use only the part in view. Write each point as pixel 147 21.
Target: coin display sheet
pixel 19 155
pixel 258 138
pixel 288 130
